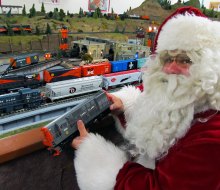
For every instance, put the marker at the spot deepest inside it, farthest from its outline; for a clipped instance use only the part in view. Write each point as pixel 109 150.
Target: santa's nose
pixel 174 68
pixel 171 68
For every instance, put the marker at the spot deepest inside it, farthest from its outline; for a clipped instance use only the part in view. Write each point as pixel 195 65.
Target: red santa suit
pixel 192 163
pixel 173 125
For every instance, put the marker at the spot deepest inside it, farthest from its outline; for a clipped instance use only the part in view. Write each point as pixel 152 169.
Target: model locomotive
pixel 25 98
pixel 24 60
pixel 61 129
pixel 12 82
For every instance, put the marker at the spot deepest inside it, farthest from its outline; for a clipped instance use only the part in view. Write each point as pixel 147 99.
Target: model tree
pixel 32 11
pixel 10 31
pixel 87 58
pixel 55 14
pixel 48 29
pixel 37 31
pixel 9 13
pixel 99 13
pixel 95 15
pixel 61 15
pixel 24 11
pixel 42 8
pixel 80 12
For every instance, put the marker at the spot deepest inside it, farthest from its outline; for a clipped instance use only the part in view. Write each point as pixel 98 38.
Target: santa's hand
pixel 82 134
pixel 117 105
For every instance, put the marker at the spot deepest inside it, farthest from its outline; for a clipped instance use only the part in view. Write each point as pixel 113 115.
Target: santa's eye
pixel 168 60
pixel 183 60
pixel 179 59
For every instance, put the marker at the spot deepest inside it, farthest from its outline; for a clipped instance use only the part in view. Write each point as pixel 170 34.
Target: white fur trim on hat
pixel 97 163
pixel 189 32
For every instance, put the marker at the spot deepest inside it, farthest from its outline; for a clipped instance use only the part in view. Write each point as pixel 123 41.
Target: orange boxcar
pixel 96 69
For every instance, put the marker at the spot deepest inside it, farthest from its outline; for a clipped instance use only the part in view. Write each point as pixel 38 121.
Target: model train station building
pixel 97 48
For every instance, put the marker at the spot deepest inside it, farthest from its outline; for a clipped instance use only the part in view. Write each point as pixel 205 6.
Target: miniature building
pixel 134 41
pixel 95 49
pixel 130 51
pixel 120 50
pixel 14 9
pixel 215 6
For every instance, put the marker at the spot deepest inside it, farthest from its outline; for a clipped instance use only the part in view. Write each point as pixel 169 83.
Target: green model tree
pixel 55 14
pixel 61 15
pixel 10 31
pixel 32 12
pixel 9 13
pixel 24 13
pixel 87 58
pixel 95 15
pixel 43 8
pixel 48 29
pixel 37 31
pixel 99 13
pixel 116 29
pixel 166 4
pixel 81 13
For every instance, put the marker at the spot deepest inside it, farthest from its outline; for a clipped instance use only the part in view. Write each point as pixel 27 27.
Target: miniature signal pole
pixel 64 39
pixel 152 30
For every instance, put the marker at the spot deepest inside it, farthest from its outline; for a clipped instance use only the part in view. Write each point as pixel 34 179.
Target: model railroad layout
pixel 30 91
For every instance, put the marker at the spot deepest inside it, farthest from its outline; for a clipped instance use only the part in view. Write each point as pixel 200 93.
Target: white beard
pixel 163 113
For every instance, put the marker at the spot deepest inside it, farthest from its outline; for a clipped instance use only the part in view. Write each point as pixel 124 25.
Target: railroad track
pixel 51 104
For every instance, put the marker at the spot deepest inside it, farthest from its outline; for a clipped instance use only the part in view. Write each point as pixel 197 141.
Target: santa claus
pixel 173 126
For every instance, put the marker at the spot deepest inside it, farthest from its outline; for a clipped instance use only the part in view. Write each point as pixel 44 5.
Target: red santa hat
pixel 187 29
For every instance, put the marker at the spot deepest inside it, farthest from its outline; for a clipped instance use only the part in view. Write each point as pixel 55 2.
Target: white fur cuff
pixel 128 95
pixel 97 163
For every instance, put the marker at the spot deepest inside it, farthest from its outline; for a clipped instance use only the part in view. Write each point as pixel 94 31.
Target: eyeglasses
pixel 181 59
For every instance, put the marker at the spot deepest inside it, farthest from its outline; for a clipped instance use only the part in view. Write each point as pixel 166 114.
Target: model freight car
pixel 141 62
pixel 3 30
pixel 26 28
pixel 96 69
pixel 11 82
pixel 56 75
pixel 61 129
pixel 68 88
pixel 16 29
pixel 8 82
pixel 24 60
pixel 25 98
pixel 121 78
pixel 123 65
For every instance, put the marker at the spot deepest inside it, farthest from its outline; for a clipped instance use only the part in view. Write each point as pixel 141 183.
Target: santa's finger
pixel 109 96
pixel 76 142
pixel 81 127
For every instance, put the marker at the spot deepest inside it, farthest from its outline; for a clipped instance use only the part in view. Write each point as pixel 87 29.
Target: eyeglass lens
pixel 179 59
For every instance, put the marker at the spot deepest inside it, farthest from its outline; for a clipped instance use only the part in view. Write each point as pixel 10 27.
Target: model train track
pixel 35 68
pixel 51 104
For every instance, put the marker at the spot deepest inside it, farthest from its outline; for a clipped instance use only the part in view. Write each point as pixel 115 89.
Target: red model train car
pixel 96 69
pixel 3 30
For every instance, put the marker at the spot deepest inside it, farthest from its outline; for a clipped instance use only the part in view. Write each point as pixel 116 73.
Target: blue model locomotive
pixel 24 60
pixel 61 129
pixel 25 98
